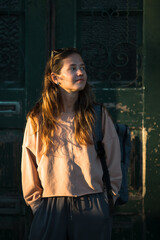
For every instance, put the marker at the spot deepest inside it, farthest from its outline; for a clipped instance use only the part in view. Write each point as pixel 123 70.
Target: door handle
pixel 10 107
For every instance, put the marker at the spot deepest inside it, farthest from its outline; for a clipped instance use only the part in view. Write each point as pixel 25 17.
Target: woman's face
pixel 72 77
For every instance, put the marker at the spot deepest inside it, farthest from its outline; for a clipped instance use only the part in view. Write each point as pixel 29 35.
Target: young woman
pixel 61 172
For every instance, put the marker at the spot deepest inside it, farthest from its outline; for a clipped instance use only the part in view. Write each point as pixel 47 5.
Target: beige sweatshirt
pixel 69 169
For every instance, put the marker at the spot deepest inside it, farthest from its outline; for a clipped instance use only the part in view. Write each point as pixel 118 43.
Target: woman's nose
pixel 79 72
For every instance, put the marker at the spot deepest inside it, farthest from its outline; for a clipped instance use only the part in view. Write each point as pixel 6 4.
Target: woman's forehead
pixel 73 59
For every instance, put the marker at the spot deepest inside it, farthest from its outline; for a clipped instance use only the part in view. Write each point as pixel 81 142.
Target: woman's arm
pixel 31 185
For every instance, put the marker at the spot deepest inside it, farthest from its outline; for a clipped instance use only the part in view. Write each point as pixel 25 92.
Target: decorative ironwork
pixel 109 4
pixel 110 41
pixel 9 3
pixel 11 52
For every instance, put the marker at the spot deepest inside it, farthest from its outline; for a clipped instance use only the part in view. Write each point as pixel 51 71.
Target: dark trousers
pixel 72 218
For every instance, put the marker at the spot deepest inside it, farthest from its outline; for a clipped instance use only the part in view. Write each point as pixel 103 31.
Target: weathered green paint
pixel 152 116
pixel 125 105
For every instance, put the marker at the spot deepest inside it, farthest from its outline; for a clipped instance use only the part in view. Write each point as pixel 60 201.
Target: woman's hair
pixel 49 107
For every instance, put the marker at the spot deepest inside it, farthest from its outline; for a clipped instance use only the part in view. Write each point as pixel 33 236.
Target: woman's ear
pixel 54 78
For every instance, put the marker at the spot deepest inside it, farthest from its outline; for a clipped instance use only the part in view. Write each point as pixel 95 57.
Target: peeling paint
pixel 150 129
pixel 144 151
pixel 158 165
pixel 118 106
pixel 142 113
pixel 156 150
pixel 124 108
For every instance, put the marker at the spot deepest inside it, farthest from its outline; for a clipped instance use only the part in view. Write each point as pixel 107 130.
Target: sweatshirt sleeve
pixel 31 185
pixel 113 154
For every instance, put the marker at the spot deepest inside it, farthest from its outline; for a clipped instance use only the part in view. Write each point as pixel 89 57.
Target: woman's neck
pixel 69 100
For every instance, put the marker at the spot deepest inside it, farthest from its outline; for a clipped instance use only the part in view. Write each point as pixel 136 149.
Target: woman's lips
pixel 79 80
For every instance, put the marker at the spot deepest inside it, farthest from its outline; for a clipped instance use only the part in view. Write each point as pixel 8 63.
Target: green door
pixel 23 54
pixel 112 37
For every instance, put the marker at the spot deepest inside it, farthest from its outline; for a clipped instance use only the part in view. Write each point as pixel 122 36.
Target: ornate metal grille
pixel 10 3
pixel 11 43
pixel 109 34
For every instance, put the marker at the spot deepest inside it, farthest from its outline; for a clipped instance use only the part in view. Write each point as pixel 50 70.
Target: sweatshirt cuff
pixel 35 205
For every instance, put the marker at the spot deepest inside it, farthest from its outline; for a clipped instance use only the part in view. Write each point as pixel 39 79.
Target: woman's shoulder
pixel 34 118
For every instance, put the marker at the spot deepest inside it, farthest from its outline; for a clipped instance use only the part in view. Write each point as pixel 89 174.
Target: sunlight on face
pixel 72 77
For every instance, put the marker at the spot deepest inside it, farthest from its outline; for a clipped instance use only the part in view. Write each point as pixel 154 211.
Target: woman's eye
pixel 73 68
pixel 82 68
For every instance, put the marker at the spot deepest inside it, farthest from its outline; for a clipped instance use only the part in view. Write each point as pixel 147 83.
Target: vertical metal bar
pixel 75 24
pixel 50 27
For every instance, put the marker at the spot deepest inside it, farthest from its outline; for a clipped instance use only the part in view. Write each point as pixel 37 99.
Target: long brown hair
pixel 49 107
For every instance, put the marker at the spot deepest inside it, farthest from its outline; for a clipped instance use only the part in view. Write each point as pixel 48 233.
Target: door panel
pixel 12 108
pixel 23 43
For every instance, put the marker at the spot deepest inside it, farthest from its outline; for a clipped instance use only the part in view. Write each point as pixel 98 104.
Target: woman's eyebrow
pixel 73 64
